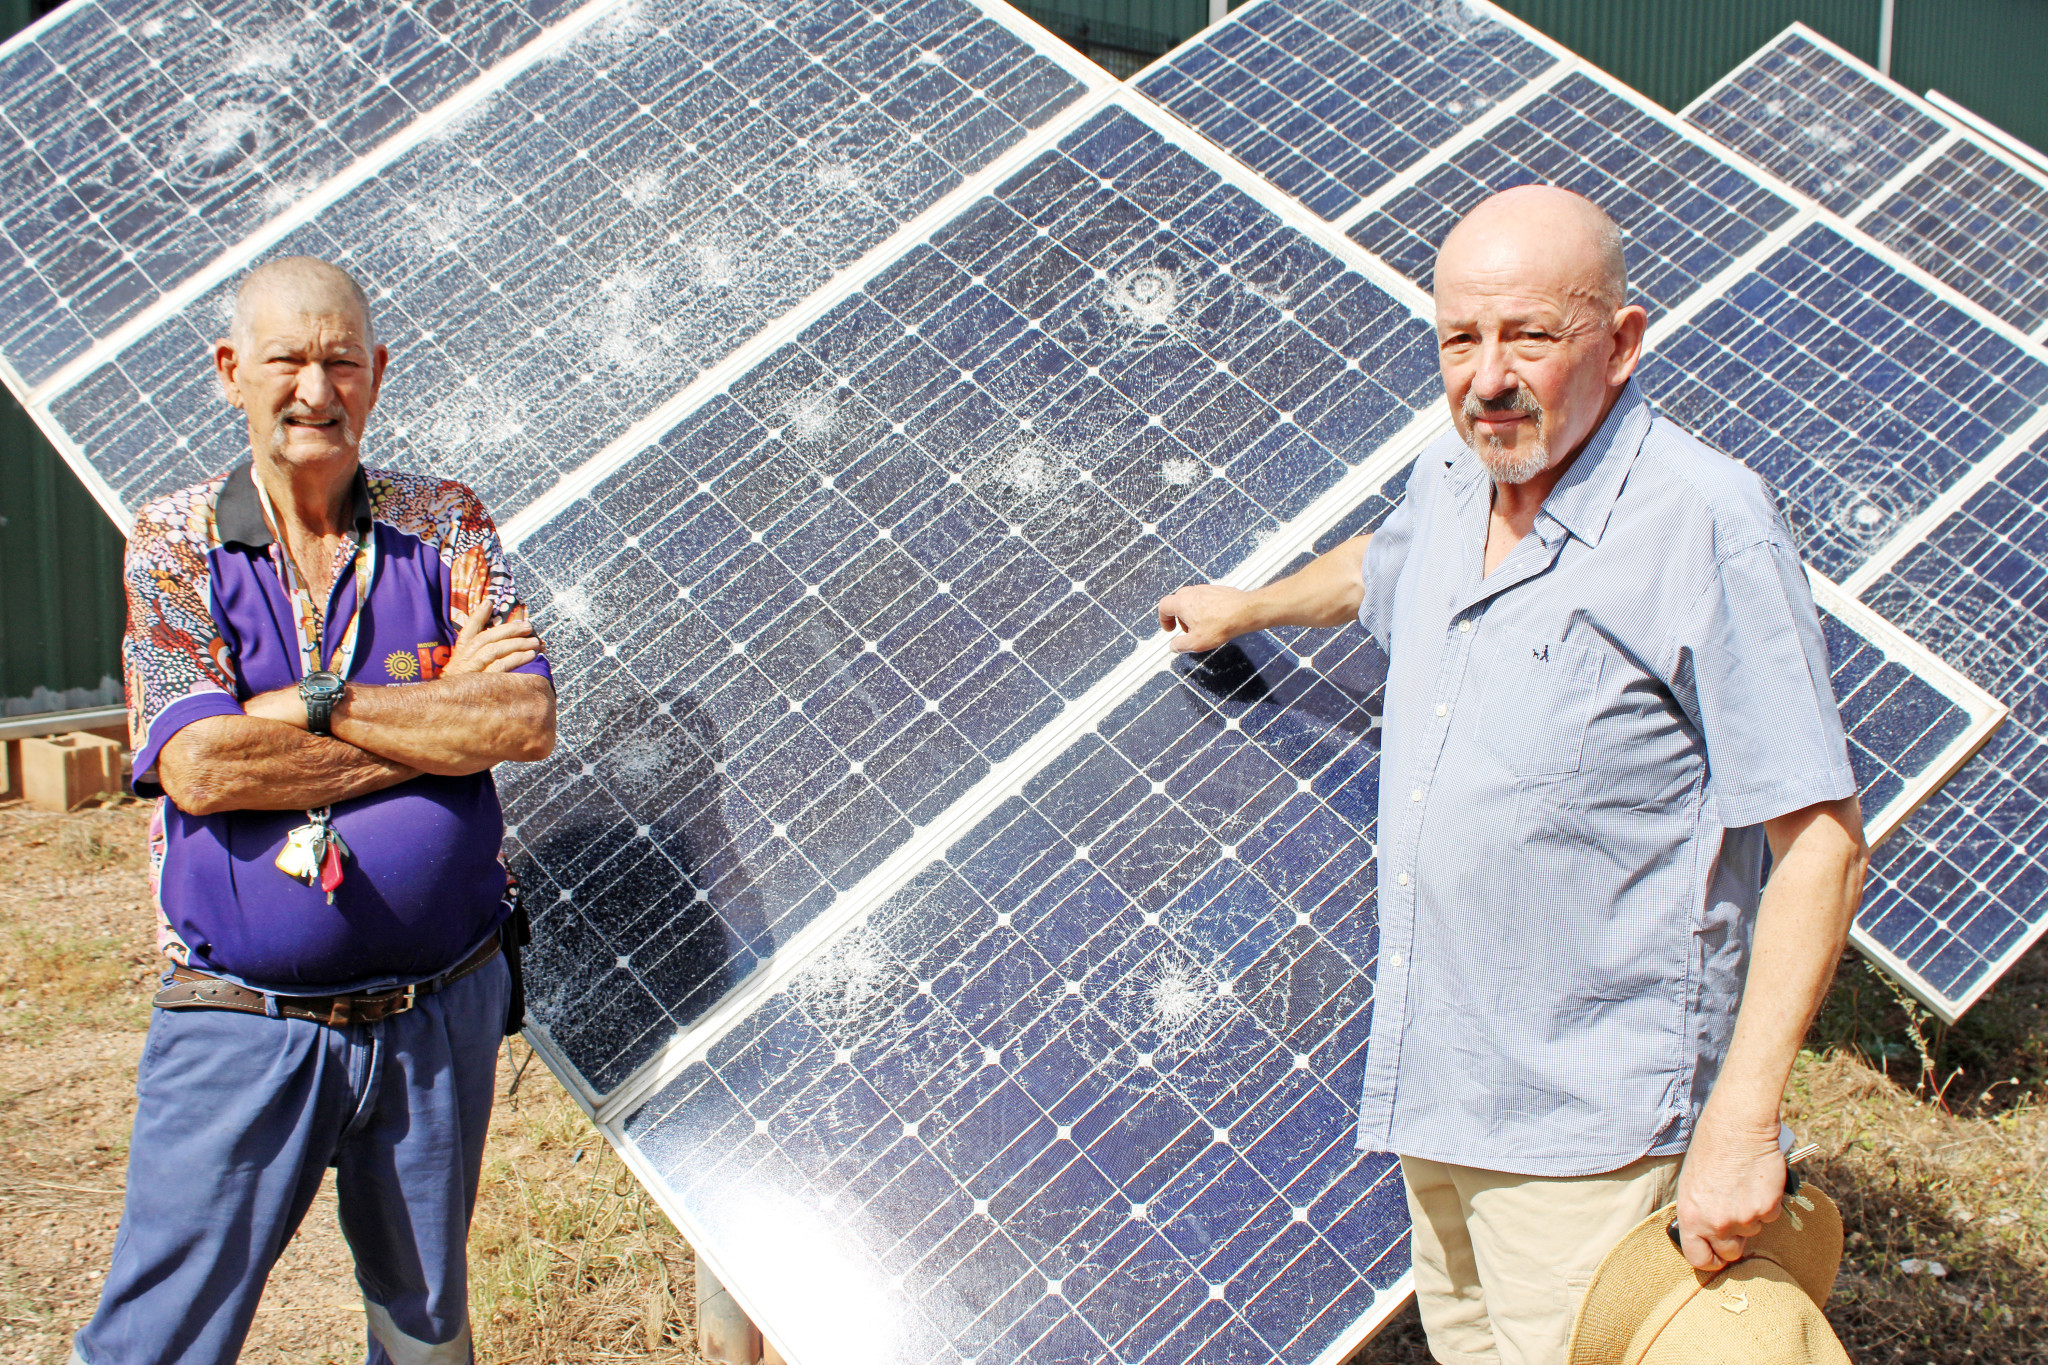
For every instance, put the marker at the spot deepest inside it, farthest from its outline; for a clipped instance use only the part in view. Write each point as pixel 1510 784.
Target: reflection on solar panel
pixel 1979 223
pixel 1685 211
pixel 1810 116
pixel 969 980
pixel 1859 393
pixel 1330 100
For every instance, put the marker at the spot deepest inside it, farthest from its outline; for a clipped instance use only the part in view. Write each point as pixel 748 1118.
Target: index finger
pixel 1169 620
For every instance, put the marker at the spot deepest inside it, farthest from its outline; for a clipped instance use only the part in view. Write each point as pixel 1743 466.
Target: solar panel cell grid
pixel 1685 212
pixel 897 545
pixel 1084 1087
pixel 1329 99
pixel 1961 887
pixel 140 141
pixel 1975 222
pixel 1816 122
pixel 621 216
pixel 1857 392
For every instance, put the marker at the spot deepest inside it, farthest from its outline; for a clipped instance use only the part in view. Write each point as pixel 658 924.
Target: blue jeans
pixel 240 1116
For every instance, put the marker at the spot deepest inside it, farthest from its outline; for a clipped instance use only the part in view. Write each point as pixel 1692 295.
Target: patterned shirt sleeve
pixel 480 571
pixel 179 668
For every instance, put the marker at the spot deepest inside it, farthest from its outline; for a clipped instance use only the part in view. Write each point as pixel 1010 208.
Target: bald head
pixel 301 284
pixel 1544 235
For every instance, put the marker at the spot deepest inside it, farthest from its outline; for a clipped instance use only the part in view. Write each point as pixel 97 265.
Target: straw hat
pixel 1647 1306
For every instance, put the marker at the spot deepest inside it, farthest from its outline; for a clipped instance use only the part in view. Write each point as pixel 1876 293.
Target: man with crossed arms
pixel 1608 696
pixel 315 680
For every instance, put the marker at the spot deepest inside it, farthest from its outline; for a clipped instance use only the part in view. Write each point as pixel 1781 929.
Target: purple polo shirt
pixel 209 625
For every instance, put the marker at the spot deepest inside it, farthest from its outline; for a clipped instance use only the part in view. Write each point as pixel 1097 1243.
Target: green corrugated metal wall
pixel 1985 55
pixel 61 608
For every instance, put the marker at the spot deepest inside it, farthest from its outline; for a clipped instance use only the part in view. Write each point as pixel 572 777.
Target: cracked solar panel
pixel 616 215
pixel 1331 99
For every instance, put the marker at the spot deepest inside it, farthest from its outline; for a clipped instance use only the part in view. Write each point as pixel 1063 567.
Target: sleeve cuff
pixel 1740 810
pixel 170 720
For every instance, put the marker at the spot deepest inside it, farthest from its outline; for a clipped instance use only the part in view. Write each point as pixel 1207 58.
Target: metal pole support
pixel 724 1331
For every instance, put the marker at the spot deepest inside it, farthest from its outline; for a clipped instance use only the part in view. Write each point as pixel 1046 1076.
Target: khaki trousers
pixel 1502 1261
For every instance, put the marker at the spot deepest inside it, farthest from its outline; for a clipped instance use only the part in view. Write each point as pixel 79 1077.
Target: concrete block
pixel 10 770
pixel 63 772
pixel 724 1331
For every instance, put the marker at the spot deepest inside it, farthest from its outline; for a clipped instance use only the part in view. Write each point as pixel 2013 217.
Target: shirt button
pixel 1393 959
pixel 1403 879
pixel 1464 626
pixel 1442 710
pixel 1415 795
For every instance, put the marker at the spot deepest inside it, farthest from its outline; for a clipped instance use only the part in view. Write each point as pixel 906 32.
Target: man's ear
pixel 1630 324
pixel 226 361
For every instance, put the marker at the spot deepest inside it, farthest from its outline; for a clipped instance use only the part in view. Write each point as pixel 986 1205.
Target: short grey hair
pixel 309 274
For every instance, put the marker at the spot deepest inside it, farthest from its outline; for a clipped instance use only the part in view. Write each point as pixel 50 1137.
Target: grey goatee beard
pixel 1506 468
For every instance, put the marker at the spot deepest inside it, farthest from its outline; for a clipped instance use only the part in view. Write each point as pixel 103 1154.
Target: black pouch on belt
pixel 515 933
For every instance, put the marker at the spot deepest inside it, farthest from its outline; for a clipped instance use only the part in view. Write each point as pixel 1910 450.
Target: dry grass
pixel 1934 1142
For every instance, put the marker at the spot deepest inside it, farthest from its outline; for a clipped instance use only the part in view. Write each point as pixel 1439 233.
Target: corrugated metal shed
pixel 61 608
pixel 1984 54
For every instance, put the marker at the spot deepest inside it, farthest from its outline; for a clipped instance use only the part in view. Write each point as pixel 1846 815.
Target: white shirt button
pixel 1464 626
pixel 1415 795
pixel 1442 710
pixel 1403 879
pixel 1393 959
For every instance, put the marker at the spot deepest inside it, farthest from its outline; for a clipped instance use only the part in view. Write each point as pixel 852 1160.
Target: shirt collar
pixel 238 513
pixel 1584 498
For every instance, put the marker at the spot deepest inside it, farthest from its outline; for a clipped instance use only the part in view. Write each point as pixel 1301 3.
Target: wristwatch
pixel 320 691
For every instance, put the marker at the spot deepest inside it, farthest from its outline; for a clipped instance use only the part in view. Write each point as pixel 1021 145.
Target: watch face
pixel 322 684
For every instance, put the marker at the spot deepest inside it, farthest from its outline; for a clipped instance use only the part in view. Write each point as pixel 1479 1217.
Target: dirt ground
pixel 1934 1142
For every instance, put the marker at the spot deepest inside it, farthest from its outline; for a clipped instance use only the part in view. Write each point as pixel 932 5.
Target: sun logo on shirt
pixel 401 665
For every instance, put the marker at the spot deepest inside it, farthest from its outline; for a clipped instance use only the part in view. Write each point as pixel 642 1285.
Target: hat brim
pixel 1645 1275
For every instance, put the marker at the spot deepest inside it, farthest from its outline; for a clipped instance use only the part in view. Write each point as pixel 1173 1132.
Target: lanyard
pixel 306 615
pixel 313 852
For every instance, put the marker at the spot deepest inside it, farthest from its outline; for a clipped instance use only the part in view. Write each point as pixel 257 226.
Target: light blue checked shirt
pixel 1579 752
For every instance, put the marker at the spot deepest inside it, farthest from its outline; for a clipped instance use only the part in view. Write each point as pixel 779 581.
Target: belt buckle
pixel 407 1000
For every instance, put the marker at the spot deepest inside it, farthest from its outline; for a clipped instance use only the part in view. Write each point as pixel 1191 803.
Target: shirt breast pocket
pixel 1535 702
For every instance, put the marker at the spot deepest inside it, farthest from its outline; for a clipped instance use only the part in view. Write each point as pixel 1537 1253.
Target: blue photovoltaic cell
pixel 1822 125
pixel 1857 392
pixel 1685 212
pixel 1115 375
pixel 1898 724
pixel 1974 221
pixel 1963 884
pixel 1087 1089
pixel 621 216
pixel 138 142
pixel 1330 99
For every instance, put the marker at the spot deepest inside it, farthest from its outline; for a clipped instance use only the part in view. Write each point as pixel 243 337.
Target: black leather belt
pixel 196 990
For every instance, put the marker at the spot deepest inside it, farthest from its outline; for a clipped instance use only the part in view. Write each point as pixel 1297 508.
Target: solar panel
pixel 1805 111
pixel 1960 894
pixel 1979 223
pixel 1330 99
pixel 1911 177
pixel 1685 212
pixel 611 217
pixel 968 978
pixel 1859 393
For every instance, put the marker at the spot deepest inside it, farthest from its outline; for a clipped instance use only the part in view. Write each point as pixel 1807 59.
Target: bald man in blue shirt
pixel 1607 698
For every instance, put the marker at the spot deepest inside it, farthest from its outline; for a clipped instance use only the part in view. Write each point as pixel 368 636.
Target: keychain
pixel 312 853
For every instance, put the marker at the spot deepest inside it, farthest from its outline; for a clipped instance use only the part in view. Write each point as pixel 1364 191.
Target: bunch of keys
pixel 312 853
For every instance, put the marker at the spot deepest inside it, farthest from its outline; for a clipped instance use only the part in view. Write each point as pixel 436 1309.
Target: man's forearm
pixel 1816 883
pixel 453 725
pixel 1326 592
pixel 225 763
